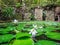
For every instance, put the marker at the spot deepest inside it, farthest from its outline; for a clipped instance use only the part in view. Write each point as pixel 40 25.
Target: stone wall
pixel 38 13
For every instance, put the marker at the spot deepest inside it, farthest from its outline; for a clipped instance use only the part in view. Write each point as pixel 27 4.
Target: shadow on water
pixel 24 31
pixel 4 43
pixel 58 31
pixel 24 37
pixel 12 40
pixel 12 32
pixel 44 37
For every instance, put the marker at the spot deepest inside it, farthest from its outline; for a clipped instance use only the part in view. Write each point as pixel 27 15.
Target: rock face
pixel 49 15
pixel 57 13
pixel 38 14
pixel 57 10
pixel 27 16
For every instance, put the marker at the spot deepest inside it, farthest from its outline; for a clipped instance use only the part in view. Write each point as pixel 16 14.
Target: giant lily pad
pixel 6 38
pixel 20 35
pixel 23 42
pixel 53 35
pixel 45 42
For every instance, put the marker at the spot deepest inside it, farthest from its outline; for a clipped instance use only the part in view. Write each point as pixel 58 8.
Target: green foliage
pixel 32 17
pixel 8 12
pixel 43 3
pixel 58 2
pixel 18 5
pixel 8 2
pixel 34 3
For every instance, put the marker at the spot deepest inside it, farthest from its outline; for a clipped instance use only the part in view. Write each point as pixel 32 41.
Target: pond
pixel 48 35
